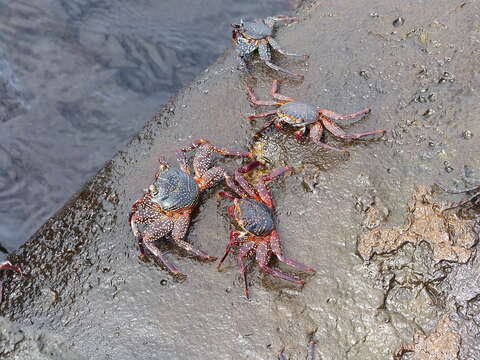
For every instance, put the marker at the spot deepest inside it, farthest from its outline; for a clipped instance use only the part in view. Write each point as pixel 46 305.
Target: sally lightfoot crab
pixel 170 199
pixel 305 117
pixel 249 36
pixel 254 213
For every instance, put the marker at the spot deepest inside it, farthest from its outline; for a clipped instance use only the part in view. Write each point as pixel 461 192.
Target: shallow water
pixel 79 78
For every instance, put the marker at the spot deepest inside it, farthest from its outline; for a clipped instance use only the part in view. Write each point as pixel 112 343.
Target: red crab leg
pixel 159 228
pixel 202 158
pixel 195 144
pixel 226 195
pixel 277 250
pixel 242 253
pixel 179 231
pixel 249 189
pixel 253 99
pixel 276 95
pixel 262 259
pixel 234 186
pixel 316 131
pixel 336 131
pixel 233 242
pixel 262 187
pixel 211 177
pixel 339 117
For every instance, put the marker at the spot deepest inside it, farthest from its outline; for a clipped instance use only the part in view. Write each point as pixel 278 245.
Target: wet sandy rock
pixel 450 238
pixel 20 342
pixel 442 344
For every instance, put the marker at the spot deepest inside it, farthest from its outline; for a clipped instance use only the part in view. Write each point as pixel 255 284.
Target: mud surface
pixel 421 80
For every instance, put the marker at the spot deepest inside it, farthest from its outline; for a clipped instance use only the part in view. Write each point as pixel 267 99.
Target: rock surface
pixel 421 80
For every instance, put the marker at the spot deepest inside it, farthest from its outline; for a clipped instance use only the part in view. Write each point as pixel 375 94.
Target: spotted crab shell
pixel 175 190
pixel 256 30
pixel 298 114
pixel 255 217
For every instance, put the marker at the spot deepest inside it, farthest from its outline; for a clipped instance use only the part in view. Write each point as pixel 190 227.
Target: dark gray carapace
pixel 256 30
pixel 175 190
pixel 255 217
pixel 304 113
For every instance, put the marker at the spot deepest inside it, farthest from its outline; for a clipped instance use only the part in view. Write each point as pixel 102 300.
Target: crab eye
pixel 153 189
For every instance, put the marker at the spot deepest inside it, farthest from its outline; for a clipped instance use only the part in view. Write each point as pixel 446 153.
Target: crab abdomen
pixel 255 217
pixel 297 113
pixel 256 30
pixel 175 190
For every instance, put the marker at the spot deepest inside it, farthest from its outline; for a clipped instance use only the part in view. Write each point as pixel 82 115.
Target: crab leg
pixel 242 253
pixel 226 195
pixel 203 156
pixel 179 231
pixel 277 250
pixel 262 187
pixel 271 20
pixel 262 259
pixel 276 95
pixel 253 99
pixel 197 143
pixel 234 186
pixel 316 131
pixel 211 177
pixel 339 117
pixel 233 242
pixel 336 131
pixel 249 189
pixel 161 227
pixel 276 46
pixel 265 56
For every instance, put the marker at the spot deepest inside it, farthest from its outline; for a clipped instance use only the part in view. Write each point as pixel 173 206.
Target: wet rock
pixel 27 343
pixel 398 21
pixel 451 238
pixel 442 344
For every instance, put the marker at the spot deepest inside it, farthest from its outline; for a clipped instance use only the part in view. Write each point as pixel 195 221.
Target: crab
pixel 167 205
pixel 249 36
pixel 303 116
pixel 7 265
pixel 254 213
